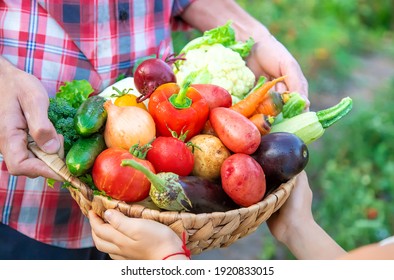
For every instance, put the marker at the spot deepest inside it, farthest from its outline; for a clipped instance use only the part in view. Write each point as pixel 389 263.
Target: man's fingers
pixel 21 161
pixel 35 109
pixel 61 150
pixel 34 167
pixel 296 81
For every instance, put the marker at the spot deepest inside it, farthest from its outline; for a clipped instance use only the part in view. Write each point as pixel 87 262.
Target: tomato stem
pixel 120 93
pixel 140 151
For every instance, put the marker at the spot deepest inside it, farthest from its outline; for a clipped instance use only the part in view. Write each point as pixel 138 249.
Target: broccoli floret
pixel 61 114
pixel 66 128
pixel 59 108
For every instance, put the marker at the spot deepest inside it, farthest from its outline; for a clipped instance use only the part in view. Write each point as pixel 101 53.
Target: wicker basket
pixel 204 231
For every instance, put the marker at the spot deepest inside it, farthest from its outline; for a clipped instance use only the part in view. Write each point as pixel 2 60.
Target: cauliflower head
pixel 218 65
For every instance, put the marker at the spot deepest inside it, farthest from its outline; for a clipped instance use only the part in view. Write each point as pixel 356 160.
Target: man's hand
pixel 271 59
pixel 24 106
pixel 268 58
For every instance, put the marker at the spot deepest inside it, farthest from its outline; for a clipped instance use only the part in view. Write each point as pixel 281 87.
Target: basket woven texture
pixel 204 231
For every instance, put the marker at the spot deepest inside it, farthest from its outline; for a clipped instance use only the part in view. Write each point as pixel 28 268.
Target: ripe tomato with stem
pixel 171 154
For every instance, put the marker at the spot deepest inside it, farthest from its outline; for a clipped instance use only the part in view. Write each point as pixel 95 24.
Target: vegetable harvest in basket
pixel 202 142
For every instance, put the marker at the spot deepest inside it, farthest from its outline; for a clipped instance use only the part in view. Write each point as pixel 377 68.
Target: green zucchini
pixel 83 152
pixel 310 126
pixel 333 114
pixel 90 116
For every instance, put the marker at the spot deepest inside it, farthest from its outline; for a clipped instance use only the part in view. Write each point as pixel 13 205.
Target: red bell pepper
pixel 179 109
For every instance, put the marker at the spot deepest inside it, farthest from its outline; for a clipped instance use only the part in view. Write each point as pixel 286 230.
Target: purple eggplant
pixel 170 191
pixel 282 156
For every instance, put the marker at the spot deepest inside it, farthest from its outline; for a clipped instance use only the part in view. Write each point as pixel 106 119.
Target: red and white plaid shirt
pixel 59 41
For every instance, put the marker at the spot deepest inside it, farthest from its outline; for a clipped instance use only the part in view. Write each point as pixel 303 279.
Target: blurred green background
pixel 345 48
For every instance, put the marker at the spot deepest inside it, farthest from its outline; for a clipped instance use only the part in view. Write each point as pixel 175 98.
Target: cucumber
pixel 90 116
pixel 80 158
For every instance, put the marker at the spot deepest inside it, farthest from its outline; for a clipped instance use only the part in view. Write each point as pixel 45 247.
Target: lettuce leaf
pixel 75 92
pixel 224 35
pixel 243 48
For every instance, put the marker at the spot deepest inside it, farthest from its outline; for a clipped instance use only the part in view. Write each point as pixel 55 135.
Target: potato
pixel 236 131
pixel 209 154
pixel 215 95
pixel 243 179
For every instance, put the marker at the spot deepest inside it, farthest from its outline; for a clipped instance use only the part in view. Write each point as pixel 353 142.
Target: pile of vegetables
pixel 184 143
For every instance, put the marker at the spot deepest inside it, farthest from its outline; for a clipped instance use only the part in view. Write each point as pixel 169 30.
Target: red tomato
pixel 120 182
pixel 170 154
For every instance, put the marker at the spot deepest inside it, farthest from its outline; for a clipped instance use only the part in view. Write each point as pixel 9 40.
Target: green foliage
pixel 354 178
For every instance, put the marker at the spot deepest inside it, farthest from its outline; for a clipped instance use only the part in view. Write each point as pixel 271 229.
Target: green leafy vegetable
pixel 224 35
pixel 75 92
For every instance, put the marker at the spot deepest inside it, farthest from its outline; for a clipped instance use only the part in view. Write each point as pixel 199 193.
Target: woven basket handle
pixel 59 166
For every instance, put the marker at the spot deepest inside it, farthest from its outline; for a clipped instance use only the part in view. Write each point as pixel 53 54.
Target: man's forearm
pixel 207 14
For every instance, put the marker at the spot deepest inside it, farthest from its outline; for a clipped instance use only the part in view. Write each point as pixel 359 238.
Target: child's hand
pixel 293 225
pixel 132 238
pixel 295 212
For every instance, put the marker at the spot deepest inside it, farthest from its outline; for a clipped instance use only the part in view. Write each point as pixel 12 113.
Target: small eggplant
pixel 282 156
pixel 206 196
pixel 170 191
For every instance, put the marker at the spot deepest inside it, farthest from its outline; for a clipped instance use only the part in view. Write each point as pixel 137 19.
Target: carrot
pixel 248 105
pixel 262 122
pixel 272 104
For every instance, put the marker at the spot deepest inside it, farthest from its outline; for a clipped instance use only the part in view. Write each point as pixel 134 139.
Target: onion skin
pixel 127 126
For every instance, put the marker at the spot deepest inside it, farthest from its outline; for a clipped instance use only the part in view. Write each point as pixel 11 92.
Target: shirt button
pixel 123 15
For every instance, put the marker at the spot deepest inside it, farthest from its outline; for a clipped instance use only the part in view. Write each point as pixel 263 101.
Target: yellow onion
pixel 127 126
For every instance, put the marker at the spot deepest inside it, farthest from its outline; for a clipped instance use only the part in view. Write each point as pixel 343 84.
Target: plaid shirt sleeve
pixel 58 41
